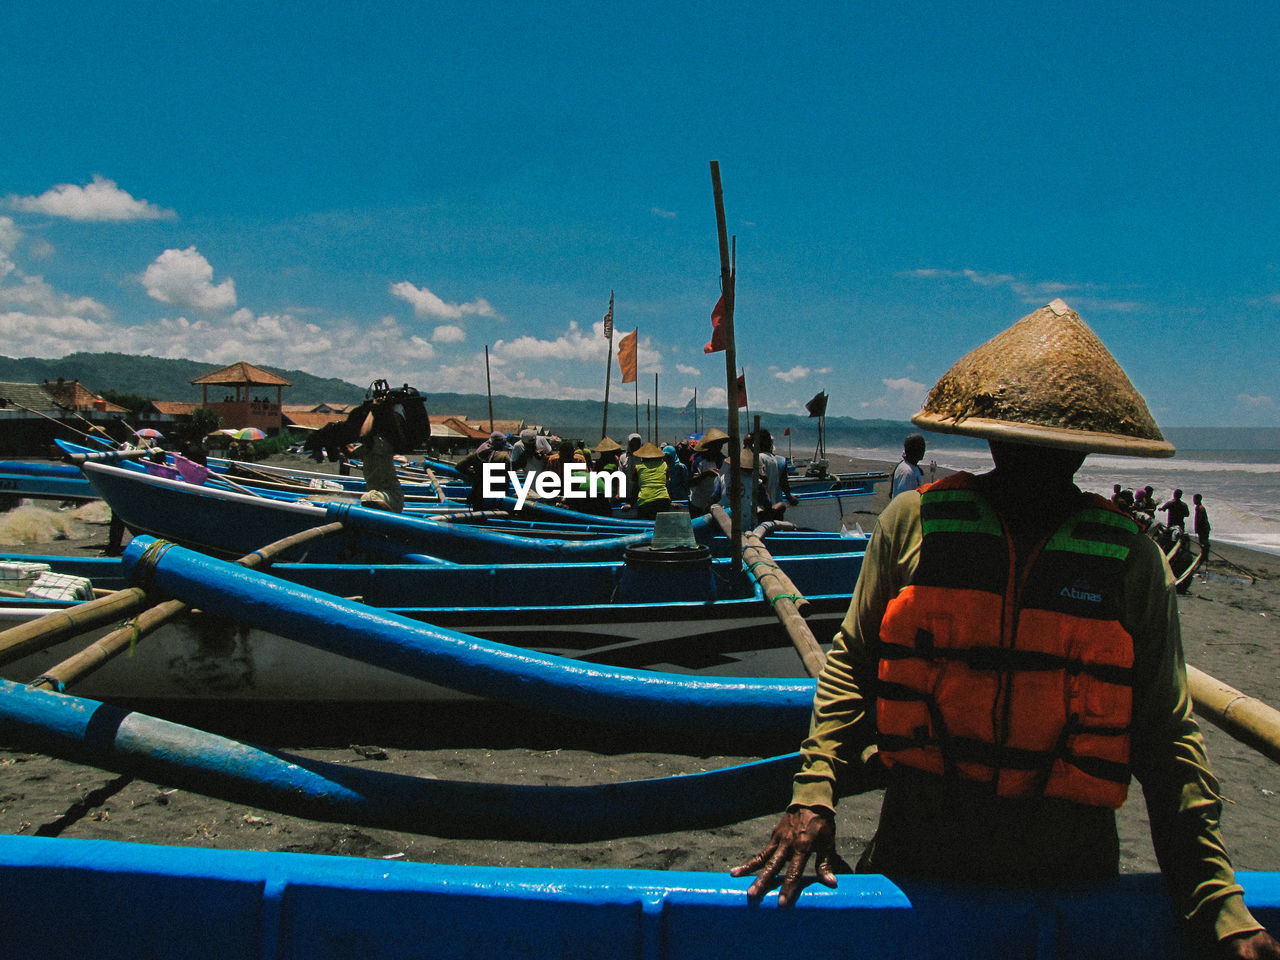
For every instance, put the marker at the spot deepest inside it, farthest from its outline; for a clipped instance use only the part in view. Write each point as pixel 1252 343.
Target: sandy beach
pixel 1231 630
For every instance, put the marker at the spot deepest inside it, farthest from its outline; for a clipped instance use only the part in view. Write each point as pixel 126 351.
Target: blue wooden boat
pixel 694 618
pixel 122 901
pixel 231 524
pixel 38 479
pixel 233 904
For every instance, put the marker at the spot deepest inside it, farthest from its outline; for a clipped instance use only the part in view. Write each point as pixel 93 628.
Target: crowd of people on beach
pixel 1142 507
pixel 693 471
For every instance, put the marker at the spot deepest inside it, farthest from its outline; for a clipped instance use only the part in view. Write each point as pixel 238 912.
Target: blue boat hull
pixel 119 901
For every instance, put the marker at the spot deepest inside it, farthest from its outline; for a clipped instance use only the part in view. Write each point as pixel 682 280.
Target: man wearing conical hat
pixel 1011 657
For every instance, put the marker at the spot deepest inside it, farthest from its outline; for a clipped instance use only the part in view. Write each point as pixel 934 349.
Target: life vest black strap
pixel 1004 660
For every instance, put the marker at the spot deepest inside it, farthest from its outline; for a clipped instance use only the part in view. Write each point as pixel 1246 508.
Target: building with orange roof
pixel 241 406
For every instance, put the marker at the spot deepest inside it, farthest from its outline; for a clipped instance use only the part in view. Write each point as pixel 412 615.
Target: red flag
pixel 627 357
pixel 742 390
pixel 786 432
pixel 717 328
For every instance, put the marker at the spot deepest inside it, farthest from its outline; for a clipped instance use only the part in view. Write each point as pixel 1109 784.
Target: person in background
pixel 777 488
pixel 1004 765
pixel 599 501
pixel 1200 524
pixel 472 467
pixel 705 484
pixel 628 463
pixel 907 475
pixel 1176 512
pixel 1145 502
pixel 651 481
pixel 677 476
pixel 377 462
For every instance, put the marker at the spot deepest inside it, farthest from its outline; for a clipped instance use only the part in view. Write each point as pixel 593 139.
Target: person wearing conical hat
pixel 1019 647
pixel 650 465
pixel 705 481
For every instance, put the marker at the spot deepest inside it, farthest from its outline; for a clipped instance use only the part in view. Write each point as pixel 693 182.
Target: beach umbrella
pixel 149 433
pixel 249 433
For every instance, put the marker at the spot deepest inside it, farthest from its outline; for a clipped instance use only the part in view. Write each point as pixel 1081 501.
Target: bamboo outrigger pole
pixel 51 628
pixel 730 365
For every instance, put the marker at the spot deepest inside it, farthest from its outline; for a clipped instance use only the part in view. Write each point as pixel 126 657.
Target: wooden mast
pixel 608 365
pixel 730 366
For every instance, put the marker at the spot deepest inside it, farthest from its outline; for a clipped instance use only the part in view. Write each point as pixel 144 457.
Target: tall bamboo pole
pixel 608 366
pixel 654 437
pixel 488 386
pixel 730 365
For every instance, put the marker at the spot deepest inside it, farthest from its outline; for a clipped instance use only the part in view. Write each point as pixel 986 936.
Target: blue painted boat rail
pixel 72 899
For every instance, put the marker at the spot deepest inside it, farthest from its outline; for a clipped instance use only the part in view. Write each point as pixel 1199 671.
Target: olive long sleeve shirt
pixel 936 827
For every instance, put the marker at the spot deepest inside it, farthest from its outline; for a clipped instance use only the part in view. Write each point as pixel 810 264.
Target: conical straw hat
pixel 607 445
pixel 649 451
pixel 713 435
pixel 1047 381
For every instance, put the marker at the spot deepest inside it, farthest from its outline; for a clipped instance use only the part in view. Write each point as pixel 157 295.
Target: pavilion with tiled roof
pixel 241 408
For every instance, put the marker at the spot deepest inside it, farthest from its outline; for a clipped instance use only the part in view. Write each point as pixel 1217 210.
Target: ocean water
pixel 1241 488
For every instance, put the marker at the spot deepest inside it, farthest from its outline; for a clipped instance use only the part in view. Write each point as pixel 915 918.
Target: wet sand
pixel 1231 630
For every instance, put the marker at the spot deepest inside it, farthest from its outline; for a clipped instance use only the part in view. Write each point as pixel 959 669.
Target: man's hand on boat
pixel 802 832
pixel 1258 945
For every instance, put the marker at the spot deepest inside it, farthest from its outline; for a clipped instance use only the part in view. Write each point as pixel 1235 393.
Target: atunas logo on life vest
pixel 1080 590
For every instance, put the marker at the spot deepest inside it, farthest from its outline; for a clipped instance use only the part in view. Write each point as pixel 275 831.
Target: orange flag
pixel 627 357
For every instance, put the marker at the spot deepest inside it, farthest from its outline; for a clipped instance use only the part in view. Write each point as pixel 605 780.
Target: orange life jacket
pixel 1015 676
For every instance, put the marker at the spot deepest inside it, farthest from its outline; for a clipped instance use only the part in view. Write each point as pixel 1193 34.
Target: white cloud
pixel 1259 402
pixel 426 305
pixel 714 397
pixel 664 214
pixel 185 278
pixel 571 346
pixel 901 399
pixel 101 200
pixel 33 295
pixel 448 333
pixel 51 334
pixel 9 236
pixel 1082 296
pixel 687 370
pixel 795 373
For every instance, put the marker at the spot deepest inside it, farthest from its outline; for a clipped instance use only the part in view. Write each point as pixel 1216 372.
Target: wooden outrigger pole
pixel 730 366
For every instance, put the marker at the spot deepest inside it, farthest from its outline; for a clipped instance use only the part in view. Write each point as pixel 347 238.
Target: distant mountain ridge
pixel 163 379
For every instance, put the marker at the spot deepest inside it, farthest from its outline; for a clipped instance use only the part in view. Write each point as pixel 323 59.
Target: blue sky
pixel 368 190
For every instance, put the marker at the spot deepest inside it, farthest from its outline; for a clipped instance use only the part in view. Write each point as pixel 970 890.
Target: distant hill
pixel 159 379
